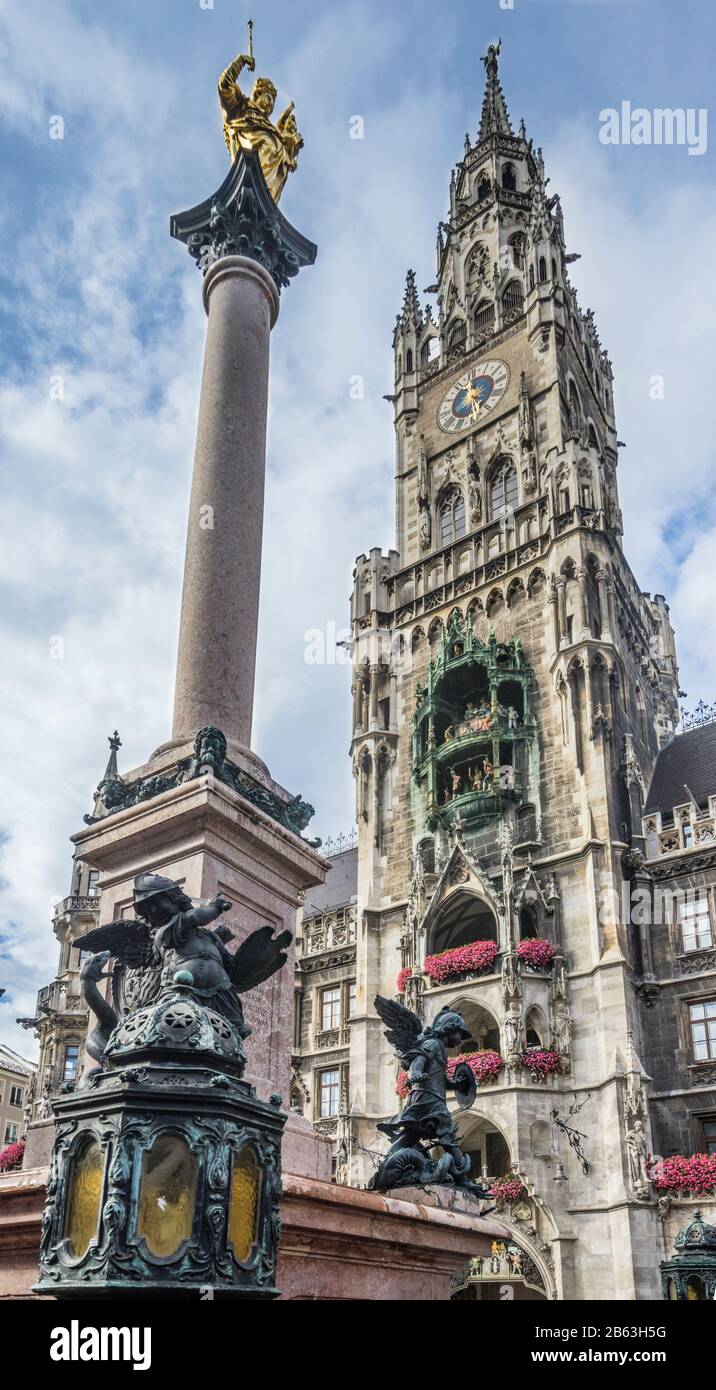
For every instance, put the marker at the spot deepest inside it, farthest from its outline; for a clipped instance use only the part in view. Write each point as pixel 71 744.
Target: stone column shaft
pixel 219 618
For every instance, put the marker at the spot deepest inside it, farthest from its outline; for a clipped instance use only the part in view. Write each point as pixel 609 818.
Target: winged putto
pixel 426 1123
pixel 167 952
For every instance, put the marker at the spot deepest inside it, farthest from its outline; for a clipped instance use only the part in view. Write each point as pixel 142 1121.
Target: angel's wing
pixel 258 957
pixel 402 1026
pixel 136 978
pixel 130 942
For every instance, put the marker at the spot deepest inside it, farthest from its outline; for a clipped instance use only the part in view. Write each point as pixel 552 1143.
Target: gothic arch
pixel 463 916
pixel 536 583
pixel 494 602
pixel 537 1032
pixel 456 332
pixel 502 486
pixel 482 1021
pixel 451 514
pixel 417 638
pixel 483 318
pixel 486 1144
pixel 515 593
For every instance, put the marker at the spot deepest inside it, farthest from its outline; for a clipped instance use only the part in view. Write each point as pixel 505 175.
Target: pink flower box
pixel 536 953
pixel 485 1065
pixel 696 1174
pixel 540 1062
pixel 507 1190
pixel 403 975
pixel 475 959
pixel 11 1157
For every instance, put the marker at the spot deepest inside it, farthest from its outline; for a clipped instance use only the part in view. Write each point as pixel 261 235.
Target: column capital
pixel 241 219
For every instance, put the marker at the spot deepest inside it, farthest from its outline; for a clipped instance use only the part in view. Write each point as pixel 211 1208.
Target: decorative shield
pixel 465 1086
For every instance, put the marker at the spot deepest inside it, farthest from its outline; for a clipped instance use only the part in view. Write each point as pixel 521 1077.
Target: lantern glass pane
pixel 244 1204
pixel 85 1198
pixel 167 1195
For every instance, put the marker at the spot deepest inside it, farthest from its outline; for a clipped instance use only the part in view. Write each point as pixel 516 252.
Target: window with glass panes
pixel 703 1030
pixel 695 922
pixel 12 1133
pixel 329 1085
pixel 708 1126
pixel 16 1095
pixel 452 518
pixel 503 490
pixel 330 1007
pixel 72 1057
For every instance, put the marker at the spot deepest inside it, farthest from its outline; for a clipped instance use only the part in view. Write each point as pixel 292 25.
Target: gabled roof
pixel 12 1061
pixel 689 760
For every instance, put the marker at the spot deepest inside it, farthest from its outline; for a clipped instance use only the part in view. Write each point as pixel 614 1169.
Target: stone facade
pixel 680 1024
pixel 17 1084
pixel 512 689
pixel 324 1000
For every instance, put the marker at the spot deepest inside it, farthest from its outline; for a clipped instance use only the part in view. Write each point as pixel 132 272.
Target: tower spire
pixel 494 119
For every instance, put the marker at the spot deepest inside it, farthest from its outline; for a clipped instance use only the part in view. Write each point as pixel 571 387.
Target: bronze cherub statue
pixel 167 952
pixel 426 1122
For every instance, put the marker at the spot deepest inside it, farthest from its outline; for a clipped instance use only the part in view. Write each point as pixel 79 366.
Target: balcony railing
pixel 328 932
pixel 333 1037
pixel 72 904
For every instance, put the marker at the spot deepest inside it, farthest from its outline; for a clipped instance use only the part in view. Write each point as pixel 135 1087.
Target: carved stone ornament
pixel 242 219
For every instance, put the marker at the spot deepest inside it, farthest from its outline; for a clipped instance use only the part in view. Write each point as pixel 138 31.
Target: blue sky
pixel 92 289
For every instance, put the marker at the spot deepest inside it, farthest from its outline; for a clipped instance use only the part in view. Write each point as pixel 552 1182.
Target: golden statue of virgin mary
pixel 248 124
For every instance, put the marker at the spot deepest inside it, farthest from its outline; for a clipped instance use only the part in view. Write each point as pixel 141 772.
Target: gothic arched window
pixel 503 489
pixel 452 517
pixel 483 187
pixel 477 268
pixel 512 297
pixel 542 270
pixel 409 360
pixel 509 178
pixel 457 333
pixel 484 317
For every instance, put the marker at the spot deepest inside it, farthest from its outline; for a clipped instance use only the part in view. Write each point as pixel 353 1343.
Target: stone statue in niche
pixel 423 484
pixel 638 1152
pixel 425 528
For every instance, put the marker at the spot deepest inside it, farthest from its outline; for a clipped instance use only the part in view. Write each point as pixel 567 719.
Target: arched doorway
pixel 486 1146
pixel 508 1272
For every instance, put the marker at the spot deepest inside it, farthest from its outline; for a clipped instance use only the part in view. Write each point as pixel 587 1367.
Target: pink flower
pixel 474 959
pixel 485 1065
pixel 11 1157
pixel 696 1174
pixel 402 1088
pixel 403 975
pixel 540 1062
pixel 508 1189
pixel 537 953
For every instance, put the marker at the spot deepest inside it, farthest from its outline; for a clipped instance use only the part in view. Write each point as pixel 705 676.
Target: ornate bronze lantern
pixel 165 1175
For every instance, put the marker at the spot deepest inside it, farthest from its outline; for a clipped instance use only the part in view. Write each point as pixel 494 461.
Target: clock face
pixel 472 396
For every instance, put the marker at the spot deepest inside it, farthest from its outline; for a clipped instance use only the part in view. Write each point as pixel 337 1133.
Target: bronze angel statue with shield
pixel 425 1123
pixel 168 946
